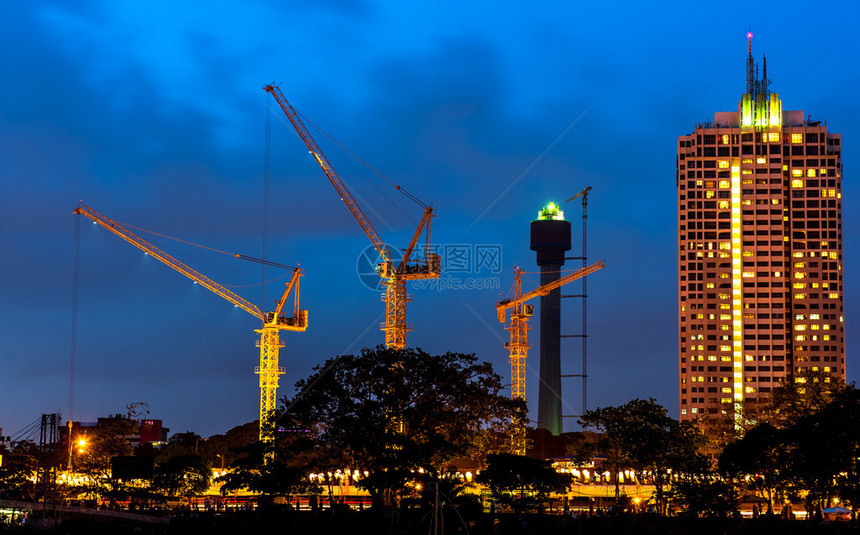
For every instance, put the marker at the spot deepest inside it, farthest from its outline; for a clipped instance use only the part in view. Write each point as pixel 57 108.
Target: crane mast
pixel 518 346
pixel 272 322
pixel 394 277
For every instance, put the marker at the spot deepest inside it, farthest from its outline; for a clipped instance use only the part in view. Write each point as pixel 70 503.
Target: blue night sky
pixel 153 113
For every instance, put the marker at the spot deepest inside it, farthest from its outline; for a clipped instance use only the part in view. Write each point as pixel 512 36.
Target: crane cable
pixel 408 195
pixel 235 255
pixel 74 339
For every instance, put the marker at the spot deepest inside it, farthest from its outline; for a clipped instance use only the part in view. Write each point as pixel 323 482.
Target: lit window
pixel 797 255
pixel 799 275
pixel 723 205
pixel 773 136
pixel 724 139
pixel 723 164
pixel 800 296
pixel 747 274
pixel 797 138
pixel 709 285
pixel 749 389
pixel 800 338
pixel 814 316
pixel 800 327
pixel 760 160
pixel 725 184
pixel 799 285
pixel 747 160
pixel 833 295
pixel 811 172
pixel 797 183
pixel 797 172
pixel 747 172
pixel 726 390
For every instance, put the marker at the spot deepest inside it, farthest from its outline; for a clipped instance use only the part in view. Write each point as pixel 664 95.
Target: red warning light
pixel 749 35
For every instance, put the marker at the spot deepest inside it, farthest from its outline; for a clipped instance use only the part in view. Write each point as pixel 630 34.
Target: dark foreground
pixel 418 522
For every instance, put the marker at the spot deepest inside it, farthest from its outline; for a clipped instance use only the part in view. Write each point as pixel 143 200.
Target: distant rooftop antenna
pixel 764 81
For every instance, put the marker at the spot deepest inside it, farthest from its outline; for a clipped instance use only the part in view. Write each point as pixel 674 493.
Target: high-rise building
pixel 759 252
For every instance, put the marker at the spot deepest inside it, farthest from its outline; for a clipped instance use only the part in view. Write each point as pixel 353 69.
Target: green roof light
pixel 551 211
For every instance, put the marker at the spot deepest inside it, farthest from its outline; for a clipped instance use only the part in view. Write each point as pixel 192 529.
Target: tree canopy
pixel 395 412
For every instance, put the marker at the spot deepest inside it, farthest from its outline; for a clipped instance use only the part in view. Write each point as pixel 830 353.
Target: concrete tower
pixel 550 238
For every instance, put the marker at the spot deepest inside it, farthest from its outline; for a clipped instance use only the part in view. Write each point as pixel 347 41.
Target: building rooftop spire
pixel 750 66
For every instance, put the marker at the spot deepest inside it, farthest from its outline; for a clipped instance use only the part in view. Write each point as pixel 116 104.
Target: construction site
pixel 396 268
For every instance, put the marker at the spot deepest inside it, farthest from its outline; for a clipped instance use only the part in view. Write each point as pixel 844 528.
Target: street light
pixel 82 443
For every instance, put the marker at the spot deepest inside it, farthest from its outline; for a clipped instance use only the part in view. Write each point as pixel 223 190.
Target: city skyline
pixel 155 116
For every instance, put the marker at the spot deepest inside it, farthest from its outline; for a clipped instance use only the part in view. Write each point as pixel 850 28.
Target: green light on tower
pixel 551 211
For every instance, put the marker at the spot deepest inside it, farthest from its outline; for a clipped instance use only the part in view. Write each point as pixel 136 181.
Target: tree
pixel 705 494
pixel 520 482
pixel 18 472
pixel 394 412
pixel 102 444
pixel 183 475
pixel 641 436
pixel 758 458
pixel 823 453
pixel 286 475
pixel 183 467
pixel 800 396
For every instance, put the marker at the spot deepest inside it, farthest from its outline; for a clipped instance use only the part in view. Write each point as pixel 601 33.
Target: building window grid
pixel 691 245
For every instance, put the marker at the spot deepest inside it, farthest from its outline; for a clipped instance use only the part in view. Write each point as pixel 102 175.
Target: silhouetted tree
pixel 758 461
pixel 392 412
pixel 641 436
pixel 18 472
pixel 520 482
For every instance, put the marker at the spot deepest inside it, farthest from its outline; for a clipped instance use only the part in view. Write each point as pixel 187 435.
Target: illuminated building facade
pixel 759 253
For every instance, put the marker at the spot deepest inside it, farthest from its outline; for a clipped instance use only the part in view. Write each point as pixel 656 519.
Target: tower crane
pixel 272 322
pixel 518 346
pixel 394 276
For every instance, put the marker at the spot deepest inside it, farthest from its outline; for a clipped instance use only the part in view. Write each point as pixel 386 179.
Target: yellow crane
pixel 272 322
pixel 518 346
pixel 394 276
